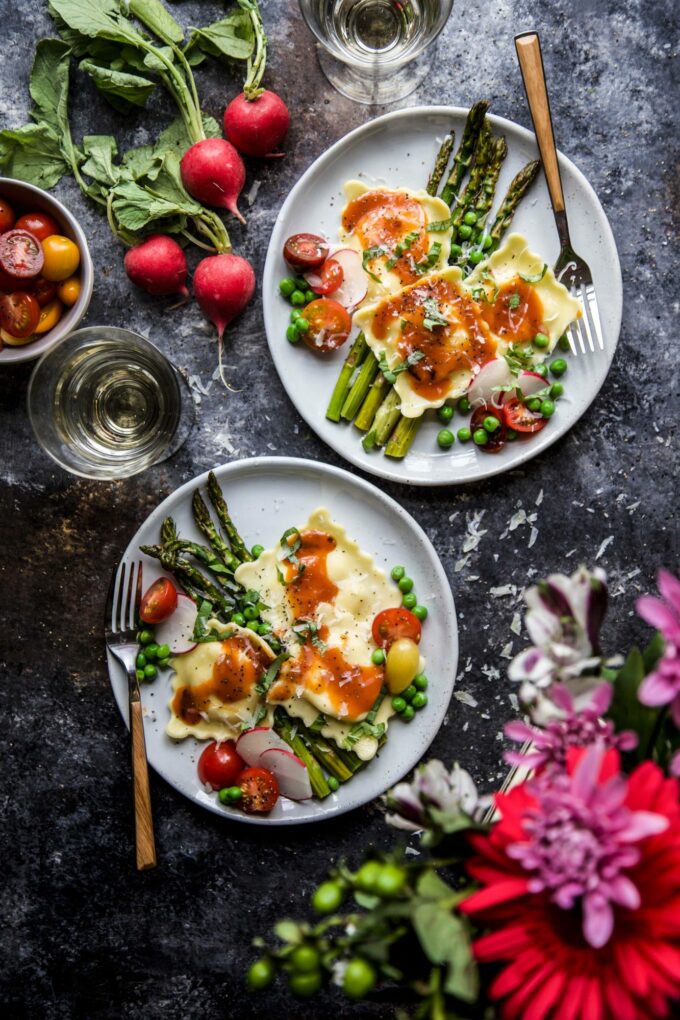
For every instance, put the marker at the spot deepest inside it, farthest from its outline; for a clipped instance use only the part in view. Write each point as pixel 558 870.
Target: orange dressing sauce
pixel 308 589
pixel 240 666
pixel 383 219
pixel 518 324
pixel 431 376
pixel 351 690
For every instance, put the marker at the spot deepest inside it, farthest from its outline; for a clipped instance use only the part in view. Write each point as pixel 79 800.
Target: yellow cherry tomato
pixel 15 341
pixel 69 290
pixel 49 316
pixel 401 664
pixel 62 258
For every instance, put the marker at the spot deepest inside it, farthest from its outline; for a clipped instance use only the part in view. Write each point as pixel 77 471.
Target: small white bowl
pixel 25 198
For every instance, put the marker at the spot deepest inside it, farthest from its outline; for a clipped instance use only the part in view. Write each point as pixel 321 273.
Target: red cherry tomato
pixel 521 419
pixel 7 216
pixel 39 224
pixel 393 624
pixel 43 290
pixel 158 602
pixel 8 284
pixel 21 254
pixel 260 791
pixel 329 325
pixel 328 279
pixel 220 765
pixel 305 251
pixel 495 440
pixel 19 314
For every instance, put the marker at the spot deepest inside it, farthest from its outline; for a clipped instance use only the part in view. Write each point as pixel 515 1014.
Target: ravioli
pixel 437 333
pixel 214 685
pixel 390 224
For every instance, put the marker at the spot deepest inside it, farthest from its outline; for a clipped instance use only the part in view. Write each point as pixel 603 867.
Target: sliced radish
pixel 290 772
pixel 530 383
pixel 177 632
pixel 354 285
pixel 252 744
pixel 484 387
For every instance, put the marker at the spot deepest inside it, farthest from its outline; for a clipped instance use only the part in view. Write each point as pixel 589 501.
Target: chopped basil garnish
pixel 391 374
pixel 304 629
pixel 431 260
pixel 368 254
pixel 537 278
pixel 318 723
pixel 402 247
pixel 368 727
pixel 514 300
pixel 291 548
pixel 433 316
pixel 272 672
pixel 518 359
pixel 437 226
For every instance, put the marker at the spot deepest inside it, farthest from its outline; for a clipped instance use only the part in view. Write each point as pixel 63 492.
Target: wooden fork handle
pixel 144 838
pixel 528 48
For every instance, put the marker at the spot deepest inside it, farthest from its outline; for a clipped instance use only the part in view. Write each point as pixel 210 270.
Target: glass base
pixel 374 89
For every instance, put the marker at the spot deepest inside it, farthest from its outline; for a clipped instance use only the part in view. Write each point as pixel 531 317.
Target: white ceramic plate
pixel 398 150
pixel 267 495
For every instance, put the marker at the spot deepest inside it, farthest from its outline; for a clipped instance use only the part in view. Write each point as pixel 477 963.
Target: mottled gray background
pixel 83 934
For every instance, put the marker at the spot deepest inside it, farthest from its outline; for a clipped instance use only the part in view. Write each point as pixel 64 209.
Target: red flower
pixel 552 972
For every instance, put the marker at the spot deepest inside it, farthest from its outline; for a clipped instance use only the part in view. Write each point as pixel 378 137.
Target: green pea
pixel 145 637
pixel 540 369
pixel 287 286
pixel 420 612
pixel 534 403
pixel 480 437
pixel 359 979
pixel 464 434
pixel 558 367
pixel 301 283
pixel 164 663
pixel 298 298
pixel 274 644
pixel 251 612
pixel 398 704
pixel 139 674
pixel 470 218
pixel 163 651
pixel 541 340
pixel 239 619
pixel 419 700
pixel 463 406
pixel 409 600
pixel 408 713
pixel 264 628
pixel 408 694
pixel 556 390
pixel 420 682
pixel 563 343
pixel 151 651
pixel 476 257
pixel 405 584
pixel 295 315
pixel 327 898
pixel 378 657
pixel 397 573
pixel 445 438
pixel 141 660
pixel 251 598
pixel 445 412
pixel 302 326
pixel 333 783
pixel 292 334
pixel 456 251
pixel 260 974
pixel 253 625
pixel 230 794
pixel 305 959
pixel 491 424
pixel 464 232
pixel 305 985
pixel 310 296
pixel 547 408
pixel 257 551
pixel 486 241
pixel 150 672
pixel 511 435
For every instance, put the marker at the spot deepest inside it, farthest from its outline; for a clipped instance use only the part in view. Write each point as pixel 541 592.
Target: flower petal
pixel 657 613
pixel 669 586
pixel 655 690
pixel 598 920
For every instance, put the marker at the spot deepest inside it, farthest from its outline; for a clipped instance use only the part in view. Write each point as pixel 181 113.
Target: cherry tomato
pixel 158 602
pixel 14 341
pixel 305 251
pixel 220 765
pixel 8 284
pixel 521 419
pixel 328 279
pixel 50 315
pixel 260 790
pixel 495 440
pixel 69 290
pixel 39 224
pixel 62 257
pixel 7 216
pixel 394 624
pixel 329 325
pixel 19 314
pixel 21 254
pixel 43 290
pixel 401 665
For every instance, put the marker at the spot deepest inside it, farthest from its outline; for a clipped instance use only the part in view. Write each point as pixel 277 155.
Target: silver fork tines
pixel 122 600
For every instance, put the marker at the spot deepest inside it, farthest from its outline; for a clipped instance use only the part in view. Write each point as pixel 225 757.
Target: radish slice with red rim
pixel 177 632
pixel 354 287
pixel 290 772
pixel 252 745
pixel 530 383
pixel 484 388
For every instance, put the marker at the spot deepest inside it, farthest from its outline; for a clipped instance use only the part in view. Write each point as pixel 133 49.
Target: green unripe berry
pixel 390 881
pixel 327 898
pixel 359 978
pixel 260 974
pixel 305 959
pixel 305 985
pixel 367 875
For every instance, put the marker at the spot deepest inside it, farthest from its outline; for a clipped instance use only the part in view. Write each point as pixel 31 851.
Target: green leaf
pixel 431 887
pixel 289 931
pixel 536 278
pixel 166 183
pixel 49 83
pixel 653 652
pixel 445 939
pixel 123 90
pixel 158 20
pixel 626 711
pixel 154 63
pixel 33 154
pixel 231 37
pixel 141 161
pixel 97 19
pixel 366 900
pixel 100 150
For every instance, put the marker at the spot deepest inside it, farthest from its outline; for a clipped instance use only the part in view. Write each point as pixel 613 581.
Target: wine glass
pixel 374 51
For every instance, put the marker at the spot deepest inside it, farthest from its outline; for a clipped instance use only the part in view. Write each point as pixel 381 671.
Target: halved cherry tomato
pixel 21 254
pixel 329 325
pixel 69 290
pixel 49 316
pixel 158 602
pixel 394 624
pixel 14 341
pixel 19 314
pixel 8 284
pixel 521 419
pixel 305 251
pixel 39 224
pixel 260 790
pixel 7 216
pixel 495 440
pixel 62 257
pixel 220 765
pixel 43 290
pixel 328 279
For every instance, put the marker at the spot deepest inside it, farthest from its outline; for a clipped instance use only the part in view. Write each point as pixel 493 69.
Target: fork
pixel 122 610
pixel 570 268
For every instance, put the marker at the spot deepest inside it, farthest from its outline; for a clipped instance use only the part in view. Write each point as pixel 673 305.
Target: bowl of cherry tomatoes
pixel 46 272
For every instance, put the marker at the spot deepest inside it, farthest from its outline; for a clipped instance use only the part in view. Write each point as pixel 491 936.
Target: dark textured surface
pixel 83 935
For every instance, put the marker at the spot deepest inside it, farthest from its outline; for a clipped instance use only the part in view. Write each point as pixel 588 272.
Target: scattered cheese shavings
pixel 514 701
pixel 252 194
pixel 633 507
pixel 505 589
pixel 516 625
pixel 604 545
pixel 633 573
pixel 491 672
pixel 570 553
pixel 411 850
pixel 506 651
pixel 461 564
pixel 474 533
pixel 223 439
pixel 532 537
pixel 465 698
pixel 539 498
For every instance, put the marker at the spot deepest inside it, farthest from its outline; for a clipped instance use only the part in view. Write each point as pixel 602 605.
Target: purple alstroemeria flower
pixel 450 792
pixel 662 687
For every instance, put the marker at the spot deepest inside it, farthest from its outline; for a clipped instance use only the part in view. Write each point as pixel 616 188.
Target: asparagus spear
pixel 386 418
pixel 284 727
pixel 514 195
pixel 217 499
pixel 402 437
pixel 360 387
pixel 485 197
pixel 466 151
pixel 196 585
pixel 205 524
pixel 483 155
pixel 354 358
pixel 325 754
pixel 440 164
pixel 374 398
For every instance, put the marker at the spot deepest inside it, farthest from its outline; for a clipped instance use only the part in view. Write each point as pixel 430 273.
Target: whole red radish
pixel 223 286
pixel 256 126
pixel 158 266
pixel 213 172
